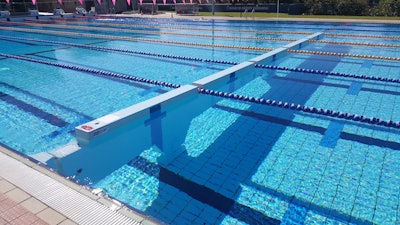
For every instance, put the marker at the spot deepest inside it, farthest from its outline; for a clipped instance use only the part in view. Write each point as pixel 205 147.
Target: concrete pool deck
pixel 32 194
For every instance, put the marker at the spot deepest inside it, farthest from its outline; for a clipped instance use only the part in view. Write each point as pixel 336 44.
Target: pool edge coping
pixel 94 195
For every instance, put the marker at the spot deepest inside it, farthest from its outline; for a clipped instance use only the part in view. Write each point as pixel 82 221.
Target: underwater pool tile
pixel 278 209
pixel 330 221
pixel 184 218
pixel 294 215
pixel 288 188
pixel 212 214
pixel 318 203
pixel 388 196
pixel 227 220
pixel 360 212
pixel 228 191
pixel 313 218
pixel 385 217
pixel 346 192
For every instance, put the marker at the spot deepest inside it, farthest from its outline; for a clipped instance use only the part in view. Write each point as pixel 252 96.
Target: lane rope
pixel 362 36
pixel 269 102
pixel 183 28
pixel 304 108
pixel 329 73
pixel 355 43
pixel 127 51
pixel 86 28
pixel 222 30
pixel 298 107
pixel 124 38
pixel 94 71
pixel 344 55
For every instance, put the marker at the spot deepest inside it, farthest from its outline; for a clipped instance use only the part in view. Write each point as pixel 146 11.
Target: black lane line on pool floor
pixel 198 65
pixel 335 85
pixel 126 51
pixel 202 193
pixel 50 118
pixel 312 128
pixel 64 126
pixel 303 108
pixel 67 128
pixel 328 73
pixel 226 205
pixel 330 113
pixel 124 81
pixel 102 73
pixel 54 103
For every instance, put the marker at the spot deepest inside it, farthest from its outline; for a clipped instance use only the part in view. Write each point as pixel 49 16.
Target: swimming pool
pixel 234 160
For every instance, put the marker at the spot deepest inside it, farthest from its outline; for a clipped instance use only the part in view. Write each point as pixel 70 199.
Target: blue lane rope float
pixel 303 108
pixel 322 72
pixel 95 71
pixel 298 107
pixel 127 51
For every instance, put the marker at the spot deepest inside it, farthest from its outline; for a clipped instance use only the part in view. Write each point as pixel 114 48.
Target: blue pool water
pixel 238 162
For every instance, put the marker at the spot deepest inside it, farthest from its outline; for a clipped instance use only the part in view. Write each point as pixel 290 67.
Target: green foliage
pixel 352 7
pixel 321 7
pixel 387 8
pixel 339 7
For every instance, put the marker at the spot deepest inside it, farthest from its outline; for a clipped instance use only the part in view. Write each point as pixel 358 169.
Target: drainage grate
pixel 72 204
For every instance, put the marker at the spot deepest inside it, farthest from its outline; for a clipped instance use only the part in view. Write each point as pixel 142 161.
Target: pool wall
pixel 161 122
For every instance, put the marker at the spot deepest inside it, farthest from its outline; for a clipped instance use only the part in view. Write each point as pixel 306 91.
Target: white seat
pixel 4 13
pixel 80 10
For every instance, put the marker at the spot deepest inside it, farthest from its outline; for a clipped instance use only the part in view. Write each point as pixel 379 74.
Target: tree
pixel 320 7
pixel 388 8
pixel 352 7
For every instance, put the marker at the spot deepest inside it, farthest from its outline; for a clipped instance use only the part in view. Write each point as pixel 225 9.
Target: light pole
pixel 277 9
pixel 213 7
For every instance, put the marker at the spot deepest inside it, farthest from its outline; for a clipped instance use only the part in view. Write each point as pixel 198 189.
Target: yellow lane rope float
pixel 211 36
pixel 243 38
pixel 124 38
pixel 185 28
pixel 344 55
pixel 355 43
pixel 228 30
pixel 363 36
pixel 61 26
